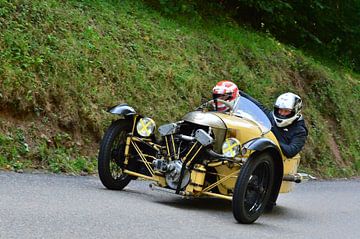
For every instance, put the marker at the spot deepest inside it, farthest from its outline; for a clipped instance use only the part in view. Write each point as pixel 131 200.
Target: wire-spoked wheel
pixel 253 188
pixel 111 156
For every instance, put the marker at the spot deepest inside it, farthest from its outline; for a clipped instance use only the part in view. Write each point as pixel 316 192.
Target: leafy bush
pixel 182 6
pixel 330 29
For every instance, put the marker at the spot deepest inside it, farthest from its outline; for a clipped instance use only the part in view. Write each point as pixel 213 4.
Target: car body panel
pixel 290 167
pixel 240 128
pixel 205 119
pixel 227 186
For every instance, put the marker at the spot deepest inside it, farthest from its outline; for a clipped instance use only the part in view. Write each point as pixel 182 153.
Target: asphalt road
pixel 57 206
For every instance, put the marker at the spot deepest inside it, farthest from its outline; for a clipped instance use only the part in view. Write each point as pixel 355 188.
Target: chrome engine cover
pixel 217 125
pixel 172 174
pixel 205 119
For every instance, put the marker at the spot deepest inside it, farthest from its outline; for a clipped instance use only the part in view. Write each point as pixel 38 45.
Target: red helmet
pixel 225 90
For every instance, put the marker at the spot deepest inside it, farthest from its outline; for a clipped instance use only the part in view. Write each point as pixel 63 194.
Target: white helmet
pixel 288 101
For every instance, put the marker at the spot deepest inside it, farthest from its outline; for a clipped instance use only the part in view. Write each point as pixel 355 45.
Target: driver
pixel 227 91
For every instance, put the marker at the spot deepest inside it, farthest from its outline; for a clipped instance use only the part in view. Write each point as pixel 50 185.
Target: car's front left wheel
pixel 111 156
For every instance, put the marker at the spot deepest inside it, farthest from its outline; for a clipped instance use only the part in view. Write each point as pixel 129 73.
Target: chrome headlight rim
pixel 145 127
pixel 231 147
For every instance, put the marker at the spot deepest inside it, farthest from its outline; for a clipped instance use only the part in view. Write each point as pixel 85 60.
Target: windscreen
pixel 247 109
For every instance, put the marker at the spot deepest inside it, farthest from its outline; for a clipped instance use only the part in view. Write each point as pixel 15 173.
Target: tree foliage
pixel 326 28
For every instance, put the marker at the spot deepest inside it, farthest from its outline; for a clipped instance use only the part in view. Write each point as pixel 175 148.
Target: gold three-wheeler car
pixel 232 155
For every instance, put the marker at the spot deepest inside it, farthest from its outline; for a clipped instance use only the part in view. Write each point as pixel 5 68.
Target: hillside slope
pixel 62 63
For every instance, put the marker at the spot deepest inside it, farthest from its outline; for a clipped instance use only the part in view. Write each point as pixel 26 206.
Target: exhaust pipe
pixel 298 177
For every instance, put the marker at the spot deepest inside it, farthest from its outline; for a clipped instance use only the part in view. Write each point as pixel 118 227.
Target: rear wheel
pixel 111 156
pixel 253 188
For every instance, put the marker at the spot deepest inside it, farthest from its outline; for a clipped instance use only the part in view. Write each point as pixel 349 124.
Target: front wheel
pixel 111 156
pixel 253 188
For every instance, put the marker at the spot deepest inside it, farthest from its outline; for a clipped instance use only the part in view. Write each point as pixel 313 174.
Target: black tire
pixel 111 156
pixel 253 188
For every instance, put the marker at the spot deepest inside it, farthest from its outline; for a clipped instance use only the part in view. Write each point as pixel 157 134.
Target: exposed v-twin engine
pixel 172 171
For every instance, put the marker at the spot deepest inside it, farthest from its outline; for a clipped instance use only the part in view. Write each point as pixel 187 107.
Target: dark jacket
pixel 291 138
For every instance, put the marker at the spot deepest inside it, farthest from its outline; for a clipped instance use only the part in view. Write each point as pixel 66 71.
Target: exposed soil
pixel 334 146
pixel 39 128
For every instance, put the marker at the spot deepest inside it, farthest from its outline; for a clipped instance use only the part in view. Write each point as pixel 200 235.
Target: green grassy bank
pixel 62 63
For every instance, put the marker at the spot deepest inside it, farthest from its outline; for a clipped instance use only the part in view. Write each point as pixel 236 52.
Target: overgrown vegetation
pixel 62 63
pixel 27 147
pixel 328 29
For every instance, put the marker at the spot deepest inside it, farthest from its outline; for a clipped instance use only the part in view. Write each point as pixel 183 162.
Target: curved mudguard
pixel 122 109
pixel 261 144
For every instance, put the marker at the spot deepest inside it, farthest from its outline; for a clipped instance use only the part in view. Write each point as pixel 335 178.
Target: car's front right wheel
pixel 253 188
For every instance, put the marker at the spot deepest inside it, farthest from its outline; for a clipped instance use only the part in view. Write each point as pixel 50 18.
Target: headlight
pixel 231 147
pixel 145 127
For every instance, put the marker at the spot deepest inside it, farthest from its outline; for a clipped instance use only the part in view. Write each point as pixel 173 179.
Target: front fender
pixel 122 109
pixel 261 144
